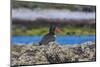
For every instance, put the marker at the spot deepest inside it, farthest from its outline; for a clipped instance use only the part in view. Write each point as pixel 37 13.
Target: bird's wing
pixel 47 38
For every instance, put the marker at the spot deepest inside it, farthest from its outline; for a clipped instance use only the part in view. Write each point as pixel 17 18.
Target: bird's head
pixel 54 28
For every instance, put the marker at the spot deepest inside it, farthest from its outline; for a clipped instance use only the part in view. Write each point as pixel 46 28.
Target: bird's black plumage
pixel 50 37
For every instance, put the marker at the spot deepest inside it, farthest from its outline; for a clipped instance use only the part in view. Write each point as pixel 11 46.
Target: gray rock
pixel 52 53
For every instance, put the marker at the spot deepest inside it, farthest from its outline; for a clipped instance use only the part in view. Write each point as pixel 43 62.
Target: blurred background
pixel 31 20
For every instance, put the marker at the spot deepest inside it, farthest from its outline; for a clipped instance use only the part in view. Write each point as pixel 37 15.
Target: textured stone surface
pixel 53 53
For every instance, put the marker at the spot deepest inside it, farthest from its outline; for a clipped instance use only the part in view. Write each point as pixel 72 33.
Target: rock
pixel 52 53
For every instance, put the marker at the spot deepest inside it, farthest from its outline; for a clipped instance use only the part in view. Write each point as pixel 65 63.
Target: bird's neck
pixel 51 33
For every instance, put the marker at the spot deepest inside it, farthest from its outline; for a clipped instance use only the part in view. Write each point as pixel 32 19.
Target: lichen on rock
pixel 52 53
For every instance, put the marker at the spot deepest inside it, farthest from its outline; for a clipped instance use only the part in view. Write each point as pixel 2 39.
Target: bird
pixel 50 36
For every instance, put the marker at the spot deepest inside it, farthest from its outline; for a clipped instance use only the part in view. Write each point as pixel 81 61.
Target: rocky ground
pixel 51 54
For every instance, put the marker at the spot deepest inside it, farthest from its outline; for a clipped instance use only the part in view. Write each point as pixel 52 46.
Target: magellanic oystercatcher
pixel 49 37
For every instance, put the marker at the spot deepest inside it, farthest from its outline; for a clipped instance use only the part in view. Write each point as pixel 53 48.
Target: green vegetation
pixel 33 5
pixel 44 30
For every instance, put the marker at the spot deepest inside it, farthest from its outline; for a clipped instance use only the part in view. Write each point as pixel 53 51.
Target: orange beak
pixel 58 30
